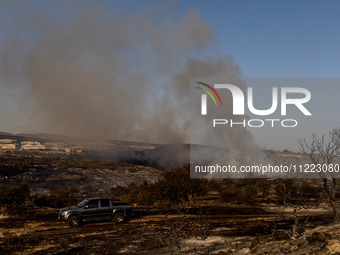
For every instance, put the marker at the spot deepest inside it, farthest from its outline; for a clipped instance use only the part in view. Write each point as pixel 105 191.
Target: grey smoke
pixel 97 73
pixel 83 70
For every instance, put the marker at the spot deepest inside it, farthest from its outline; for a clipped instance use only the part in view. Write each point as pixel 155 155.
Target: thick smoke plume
pixel 93 72
pixel 88 71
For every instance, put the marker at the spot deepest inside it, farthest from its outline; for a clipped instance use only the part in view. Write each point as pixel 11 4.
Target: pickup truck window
pixel 82 203
pixel 92 204
pixel 105 202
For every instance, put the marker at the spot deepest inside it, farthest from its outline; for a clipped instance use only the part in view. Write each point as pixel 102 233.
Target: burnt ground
pixel 224 229
pixel 50 173
pixel 214 229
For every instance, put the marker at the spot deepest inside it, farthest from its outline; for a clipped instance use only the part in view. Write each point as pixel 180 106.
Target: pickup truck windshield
pixel 82 203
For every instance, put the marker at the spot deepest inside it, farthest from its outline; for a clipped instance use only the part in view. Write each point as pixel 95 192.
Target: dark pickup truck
pixel 99 208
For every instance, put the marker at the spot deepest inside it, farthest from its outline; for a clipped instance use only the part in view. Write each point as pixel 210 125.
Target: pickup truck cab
pixel 99 208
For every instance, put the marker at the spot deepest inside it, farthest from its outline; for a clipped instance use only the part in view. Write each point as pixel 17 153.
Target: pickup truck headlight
pixel 62 215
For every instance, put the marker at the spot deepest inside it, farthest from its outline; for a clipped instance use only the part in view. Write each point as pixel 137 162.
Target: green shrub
pixel 14 167
pixel 310 191
pixel 145 197
pixel 12 209
pixel 65 176
pixel 13 194
pixel 12 199
pixel 58 198
pixel 132 195
pixel 213 185
pixel 174 186
pixel 62 197
pixel 232 195
pixel 285 190
pixel 263 187
pixel 120 192
pixel 250 193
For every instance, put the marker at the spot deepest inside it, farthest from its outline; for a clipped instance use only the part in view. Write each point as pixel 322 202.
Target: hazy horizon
pixel 112 70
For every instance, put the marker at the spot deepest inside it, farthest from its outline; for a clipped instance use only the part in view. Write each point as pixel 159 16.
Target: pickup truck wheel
pixel 74 221
pixel 119 218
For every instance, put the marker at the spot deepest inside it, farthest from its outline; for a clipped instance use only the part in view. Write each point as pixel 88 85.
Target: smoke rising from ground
pixel 88 71
pixel 97 73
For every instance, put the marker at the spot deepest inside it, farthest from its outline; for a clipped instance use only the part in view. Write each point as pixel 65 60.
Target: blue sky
pixel 267 38
pixel 277 38
pixel 289 39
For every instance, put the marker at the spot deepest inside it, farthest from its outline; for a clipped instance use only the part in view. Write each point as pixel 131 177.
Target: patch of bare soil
pixel 209 230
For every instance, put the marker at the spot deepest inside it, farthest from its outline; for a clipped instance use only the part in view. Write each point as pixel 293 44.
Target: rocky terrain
pixel 207 225
pixel 46 173
pixel 215 229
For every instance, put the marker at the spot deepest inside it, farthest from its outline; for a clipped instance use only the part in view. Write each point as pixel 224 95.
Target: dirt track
pixel 40 232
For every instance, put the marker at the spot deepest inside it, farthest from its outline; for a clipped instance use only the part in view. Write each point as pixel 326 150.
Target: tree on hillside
pixel 176 185
pixel 322 151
